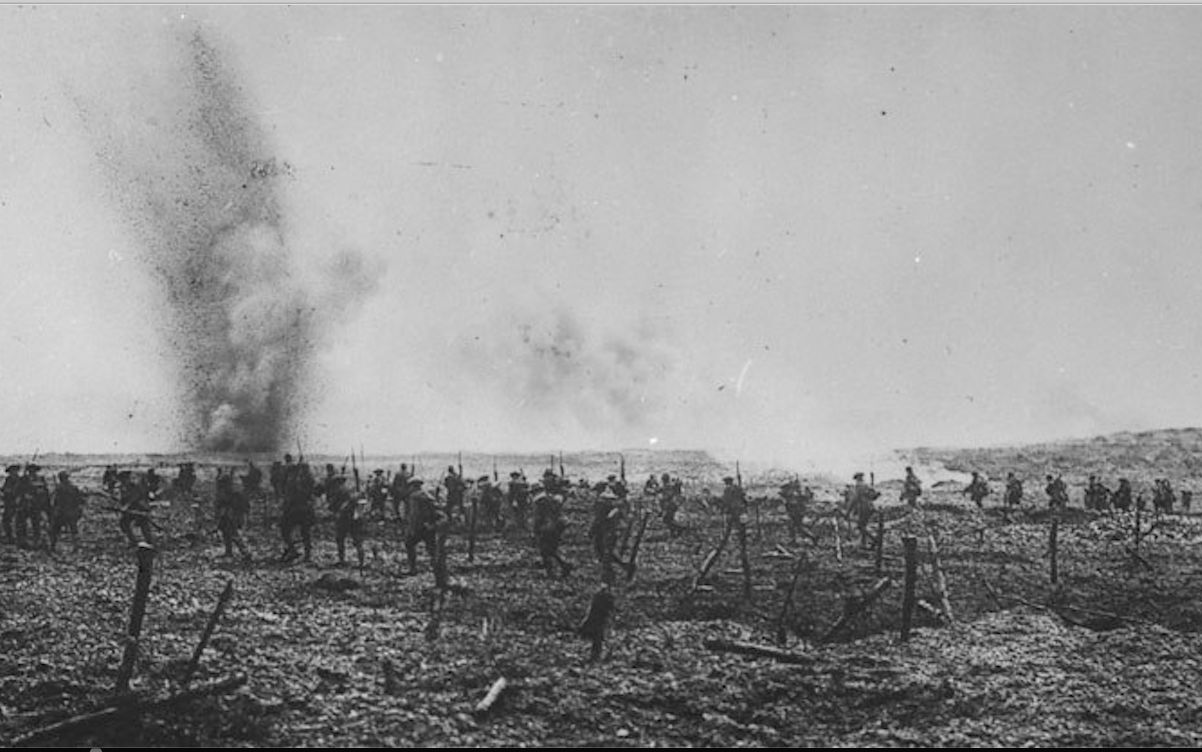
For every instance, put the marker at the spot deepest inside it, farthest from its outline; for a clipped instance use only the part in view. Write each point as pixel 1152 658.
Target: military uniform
pixel 34 507
pixel 1122 496
pixel 607 519
pixel 349 514
pixel 519 499
pixel 400 491
pixel 1014 491
pixel 797 502
pixel 859 499
pixel 549 526
pixel 492 499
pixel 66 509
pixel 671 493
pixel 1057 493
pixel 135 505
pixel 977 490
pixel 10 494
pixel 456 488
pixel 298 510
pixel 911 488
pixel 422 520
pixel 232 509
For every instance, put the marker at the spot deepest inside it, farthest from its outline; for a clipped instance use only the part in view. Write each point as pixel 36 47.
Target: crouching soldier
pixel 231 508
pixel 66 509
pixel 549 526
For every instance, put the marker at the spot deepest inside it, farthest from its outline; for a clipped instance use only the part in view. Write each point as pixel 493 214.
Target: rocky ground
pixel 1108 655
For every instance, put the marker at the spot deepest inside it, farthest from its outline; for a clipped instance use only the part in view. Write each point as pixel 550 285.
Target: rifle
pixel 300 452
pixel 495 478
pixel 461 466
pixel 562 474
pixel 355 470
pixel 622 460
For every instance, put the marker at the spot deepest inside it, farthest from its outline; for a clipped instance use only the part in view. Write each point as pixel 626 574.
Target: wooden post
pixel 910 543
pixel 746 562
pixel 204 638
pixel 782 620
pixel 945 603
pixel 471 531
pixel 1138 509
pixel 880 541
pixel 1052 547
pixel 838 541
pixel 137 613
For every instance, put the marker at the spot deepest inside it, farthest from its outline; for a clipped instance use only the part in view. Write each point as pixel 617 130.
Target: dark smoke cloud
pixel 560 374
pixel 195 176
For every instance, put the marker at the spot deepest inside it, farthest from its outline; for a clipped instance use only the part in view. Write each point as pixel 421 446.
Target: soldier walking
pixel 977 490
pixel 297 513
pixel 232 509
pixel 66 509
pixel 858 499
pixel 135 508
pixel 422 518
pixel 10 494
pixel 549 526
pixel 911 488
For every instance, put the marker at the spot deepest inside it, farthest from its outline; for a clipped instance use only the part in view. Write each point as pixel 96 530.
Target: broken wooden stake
pixel 212 624
pixel 910 545
pixel 880 541
pixel 838 541
pixel 596 622
pixel 757 651
pixel 781 634
pixel 137 614
pixel 79 723
pixel 1052 535
pixel 853 607
pixel 490 699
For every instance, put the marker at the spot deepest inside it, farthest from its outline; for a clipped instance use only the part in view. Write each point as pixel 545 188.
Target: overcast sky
pixel 780 232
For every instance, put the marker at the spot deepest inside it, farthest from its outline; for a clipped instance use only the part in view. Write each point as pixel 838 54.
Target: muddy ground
pixel 1109 655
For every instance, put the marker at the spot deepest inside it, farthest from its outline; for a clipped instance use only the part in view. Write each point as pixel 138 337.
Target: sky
pixel 775 232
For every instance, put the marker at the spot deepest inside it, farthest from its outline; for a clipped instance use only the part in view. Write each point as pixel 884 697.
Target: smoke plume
pixel 195 176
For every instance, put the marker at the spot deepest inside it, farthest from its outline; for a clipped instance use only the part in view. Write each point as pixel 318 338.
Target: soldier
pixel 859 500
pixel 1097 496
pixel 549 526
pixel 377 493
pixel 797 502
pixel 607 519
pixel 977 490
pixel 10 493
pixel 35 504
pixel 298 509
pixel 423 518
pixel 911 488
pixel 1014 490
pixel 109 479
pixel 618 486
pixel 400 490
pixel 1122 496
pixel 669 501
pixel 252 482
pixel 275 476
pixel 1057 493
pixel 66 508
pixel 455 490
pixel 492 498
pixel 1187 499
pixel 135 508
pixel 348 518
pixel 185 481
pixel 652 486
pixel 153 483
pixel 519 498
pixel 734 505
pixel 232 509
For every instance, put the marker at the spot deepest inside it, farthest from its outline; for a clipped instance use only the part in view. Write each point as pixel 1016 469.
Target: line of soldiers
pixel 29 503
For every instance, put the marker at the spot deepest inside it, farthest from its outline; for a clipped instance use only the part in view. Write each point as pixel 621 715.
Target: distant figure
pixel 859 506
pixel 185 481
pixel 297 512
pixel 1097 495
pixel 519 498
pixel 456 487
pixel 252 481
pixel 349 518
pixel 1121 500
pixel 549 526
pixel 232 509
pixel 671 494
pixel 607 520
pixel 423 519
pixel 34 508
pixel 911 488
pixel 1057 493
pixel 10 494
pixel 977 490
pixel 1014 491
pixel 66 509
pixel 1187 499
pixel 796 503
pixel 135 508
pixel 492 499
